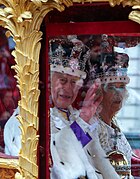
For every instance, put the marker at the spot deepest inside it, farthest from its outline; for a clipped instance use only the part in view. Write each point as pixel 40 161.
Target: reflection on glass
pixel 131 110
pixel 9 93
pixel 89 77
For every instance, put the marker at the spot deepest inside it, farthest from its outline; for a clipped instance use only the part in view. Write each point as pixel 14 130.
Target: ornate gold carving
pixel 8 168
pixel 22 19
pixel 134 15
pixel 7 173
pixel 19 176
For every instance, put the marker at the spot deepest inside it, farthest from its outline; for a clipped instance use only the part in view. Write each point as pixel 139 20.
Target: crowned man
pixel 70 128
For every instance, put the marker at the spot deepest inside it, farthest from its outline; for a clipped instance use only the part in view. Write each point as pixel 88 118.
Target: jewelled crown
pixel 110 66
pixel 68 56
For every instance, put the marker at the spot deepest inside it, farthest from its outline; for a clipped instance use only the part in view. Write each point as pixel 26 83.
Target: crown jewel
pixel 109 66
pixel 68 56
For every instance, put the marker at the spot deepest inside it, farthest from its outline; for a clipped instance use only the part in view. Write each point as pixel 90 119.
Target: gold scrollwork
pixel 7 173
pixel 135 14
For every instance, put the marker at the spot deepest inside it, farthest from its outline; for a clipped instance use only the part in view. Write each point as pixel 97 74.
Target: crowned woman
pixel 113 90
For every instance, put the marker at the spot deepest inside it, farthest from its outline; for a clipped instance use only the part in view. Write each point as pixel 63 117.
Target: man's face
pixel 64 89
pixel 113 95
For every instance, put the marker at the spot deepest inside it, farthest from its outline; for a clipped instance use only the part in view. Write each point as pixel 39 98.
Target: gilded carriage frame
pixel 22 19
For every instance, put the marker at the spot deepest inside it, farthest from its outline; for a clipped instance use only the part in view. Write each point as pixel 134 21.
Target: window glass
pixel 108 66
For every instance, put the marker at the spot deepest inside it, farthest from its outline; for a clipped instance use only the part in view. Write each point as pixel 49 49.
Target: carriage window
pixel 105 65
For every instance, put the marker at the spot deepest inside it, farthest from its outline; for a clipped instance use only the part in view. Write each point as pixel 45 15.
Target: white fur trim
pixel 68 70
pixel 120 50
pixel 71 153
pixel 12 135
pixel 112 79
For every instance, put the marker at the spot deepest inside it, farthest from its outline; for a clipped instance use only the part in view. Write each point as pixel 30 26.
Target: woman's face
pixel 113 95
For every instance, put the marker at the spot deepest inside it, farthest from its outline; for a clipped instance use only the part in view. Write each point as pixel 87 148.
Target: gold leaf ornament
pixel 135 15
pixel 3 12
pixel 8 10
pixel 19 176
pixel 115 2
pixel 27 15
pixel 44 1
pixel 39 2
